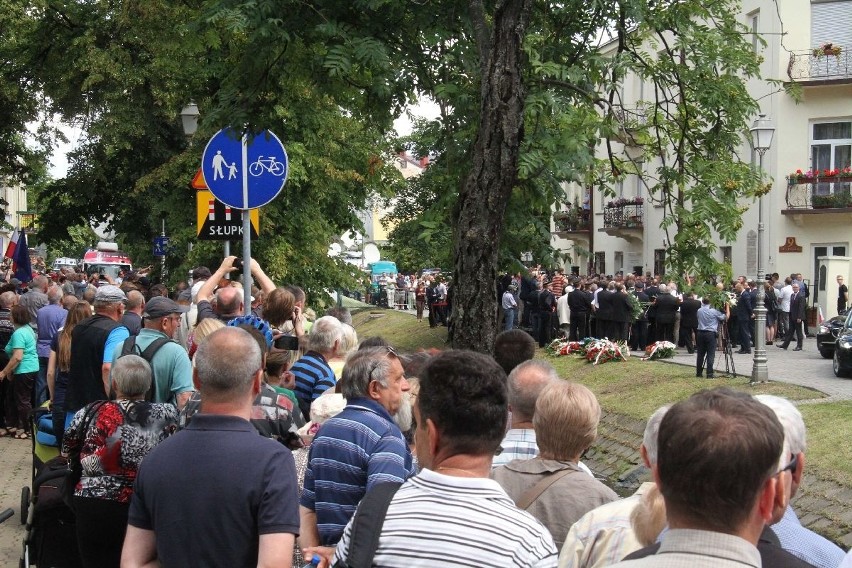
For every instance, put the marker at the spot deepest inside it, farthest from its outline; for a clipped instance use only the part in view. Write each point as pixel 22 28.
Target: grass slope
pixel 636 388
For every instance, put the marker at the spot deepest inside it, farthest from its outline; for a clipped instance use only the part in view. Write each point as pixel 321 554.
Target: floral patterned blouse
pixel 119 435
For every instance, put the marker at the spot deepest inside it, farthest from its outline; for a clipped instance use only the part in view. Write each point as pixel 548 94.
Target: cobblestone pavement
pixel 15 473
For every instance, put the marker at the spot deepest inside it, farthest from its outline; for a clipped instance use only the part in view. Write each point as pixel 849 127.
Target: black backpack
pixel 129 347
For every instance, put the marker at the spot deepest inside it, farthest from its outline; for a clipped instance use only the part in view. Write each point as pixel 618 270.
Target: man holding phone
pixel 229 299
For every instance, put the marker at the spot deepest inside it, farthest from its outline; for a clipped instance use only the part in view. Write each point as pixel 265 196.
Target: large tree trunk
pixel 483 198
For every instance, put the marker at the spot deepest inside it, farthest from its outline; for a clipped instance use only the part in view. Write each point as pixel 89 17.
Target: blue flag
pixel 23 268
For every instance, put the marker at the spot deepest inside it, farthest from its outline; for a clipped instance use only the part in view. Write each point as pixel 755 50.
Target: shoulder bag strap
pixel 367 525
pixel 535 491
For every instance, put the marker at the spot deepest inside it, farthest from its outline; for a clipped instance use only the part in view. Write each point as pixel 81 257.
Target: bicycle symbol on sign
pixel 270 165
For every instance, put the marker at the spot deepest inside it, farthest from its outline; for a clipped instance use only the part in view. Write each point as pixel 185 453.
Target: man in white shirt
pixel 784 295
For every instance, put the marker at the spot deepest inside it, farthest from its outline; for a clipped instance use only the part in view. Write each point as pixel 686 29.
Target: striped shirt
pixel 438 521
pixel 313 377
pixel 358 448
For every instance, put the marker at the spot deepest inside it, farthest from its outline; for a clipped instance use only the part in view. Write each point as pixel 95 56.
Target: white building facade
pixel 808 223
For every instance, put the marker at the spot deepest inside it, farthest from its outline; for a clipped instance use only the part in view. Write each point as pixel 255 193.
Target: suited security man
pixel 745 311
pixel 666 309
pixel 689 320
pixel 797 319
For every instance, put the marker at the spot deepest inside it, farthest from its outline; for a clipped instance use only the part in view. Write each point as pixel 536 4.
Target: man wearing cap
pixel 93 343
pixel 170 363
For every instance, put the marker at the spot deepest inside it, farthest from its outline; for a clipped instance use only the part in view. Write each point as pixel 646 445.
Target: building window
pixel 659 262
pixel 754 19
pixel 831 148
pixel 726 255
pixel 600 263
pixel 640 185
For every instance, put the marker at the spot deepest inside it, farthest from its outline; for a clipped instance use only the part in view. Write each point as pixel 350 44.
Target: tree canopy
pixel 527 91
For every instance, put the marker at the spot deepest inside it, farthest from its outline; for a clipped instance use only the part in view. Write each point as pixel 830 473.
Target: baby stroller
pixel 45 448
pixel 50 540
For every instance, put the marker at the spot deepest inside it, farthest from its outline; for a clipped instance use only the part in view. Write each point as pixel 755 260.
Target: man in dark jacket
pixel 604 315
pixel 797 319
pixel 666 309
pixel 745 311
pixel 546 307
pixel 622 313
pixel 689 321
pixel 639 329
pixel 580 304
pixel 528 288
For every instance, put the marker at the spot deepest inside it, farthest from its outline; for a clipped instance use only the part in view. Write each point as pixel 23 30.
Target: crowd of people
pixel 207 437
pixel 644 309
pixel 430 293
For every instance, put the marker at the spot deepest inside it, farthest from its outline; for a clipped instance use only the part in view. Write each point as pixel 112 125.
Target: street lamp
pixel 189 117
pixel 761 139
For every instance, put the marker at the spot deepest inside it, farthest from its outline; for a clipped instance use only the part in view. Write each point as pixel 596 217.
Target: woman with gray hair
pixel 551 486
pixel 110 438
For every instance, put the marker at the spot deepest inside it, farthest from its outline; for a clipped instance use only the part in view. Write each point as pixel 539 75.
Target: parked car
pixel 827 334
pixel 842 360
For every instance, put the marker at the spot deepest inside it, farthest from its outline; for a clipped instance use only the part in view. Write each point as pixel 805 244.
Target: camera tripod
pixel 730 370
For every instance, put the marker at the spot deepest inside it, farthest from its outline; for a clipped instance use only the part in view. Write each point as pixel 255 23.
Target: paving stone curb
pixel 823 506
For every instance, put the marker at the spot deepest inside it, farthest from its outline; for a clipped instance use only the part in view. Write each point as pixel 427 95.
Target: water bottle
pixel 315 560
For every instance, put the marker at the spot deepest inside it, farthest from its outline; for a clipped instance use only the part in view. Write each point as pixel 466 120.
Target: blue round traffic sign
pixel 244 172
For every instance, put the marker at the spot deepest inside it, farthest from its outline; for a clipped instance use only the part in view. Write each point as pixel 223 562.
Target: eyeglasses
pixel 791 467
pixel 377 362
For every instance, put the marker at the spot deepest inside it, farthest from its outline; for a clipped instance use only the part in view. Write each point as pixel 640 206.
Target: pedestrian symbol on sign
pixel 244 171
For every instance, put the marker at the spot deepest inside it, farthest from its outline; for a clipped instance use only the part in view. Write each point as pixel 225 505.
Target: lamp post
pixel 761 138
pixel 189 118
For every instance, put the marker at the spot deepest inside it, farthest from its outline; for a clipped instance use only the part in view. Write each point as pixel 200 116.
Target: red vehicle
pixel 106 259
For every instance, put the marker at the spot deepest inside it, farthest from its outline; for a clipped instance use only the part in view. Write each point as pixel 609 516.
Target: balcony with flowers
pixel 825 64
pixel 575 220
pixel 819 191
pixel 624 218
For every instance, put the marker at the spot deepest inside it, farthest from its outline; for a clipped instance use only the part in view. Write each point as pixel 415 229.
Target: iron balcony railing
pixel 815 65
pixel 820 194
pixel 629 216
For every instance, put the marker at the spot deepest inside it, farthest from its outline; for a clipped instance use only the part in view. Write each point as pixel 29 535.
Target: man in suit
pixel 665 313
pixel 689 320
pixel 639 330
pixel 805 292
pixel 797 319
pixel 546 307
pixel 580 305
pixel 745 311
pixel 605 312
pixel 622 313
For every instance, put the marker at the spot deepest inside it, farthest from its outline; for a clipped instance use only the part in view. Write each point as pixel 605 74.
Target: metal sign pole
pixel 246 233
pixel 163 258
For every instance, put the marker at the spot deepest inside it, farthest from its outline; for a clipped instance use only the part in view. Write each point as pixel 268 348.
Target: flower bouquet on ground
pixel 591 349
pixel 561 347
pixel 659 350
pixel 603 350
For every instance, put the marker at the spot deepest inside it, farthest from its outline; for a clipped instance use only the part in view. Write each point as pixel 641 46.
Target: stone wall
pixel 823 506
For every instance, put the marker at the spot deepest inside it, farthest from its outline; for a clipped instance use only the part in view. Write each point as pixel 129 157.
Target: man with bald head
pixel 229 299
pixel 48 320
pixel 216 494
pixel 132 318
pixel 36 297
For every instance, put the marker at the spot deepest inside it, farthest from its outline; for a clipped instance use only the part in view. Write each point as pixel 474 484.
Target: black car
pixel 843 349
pixel 827 334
